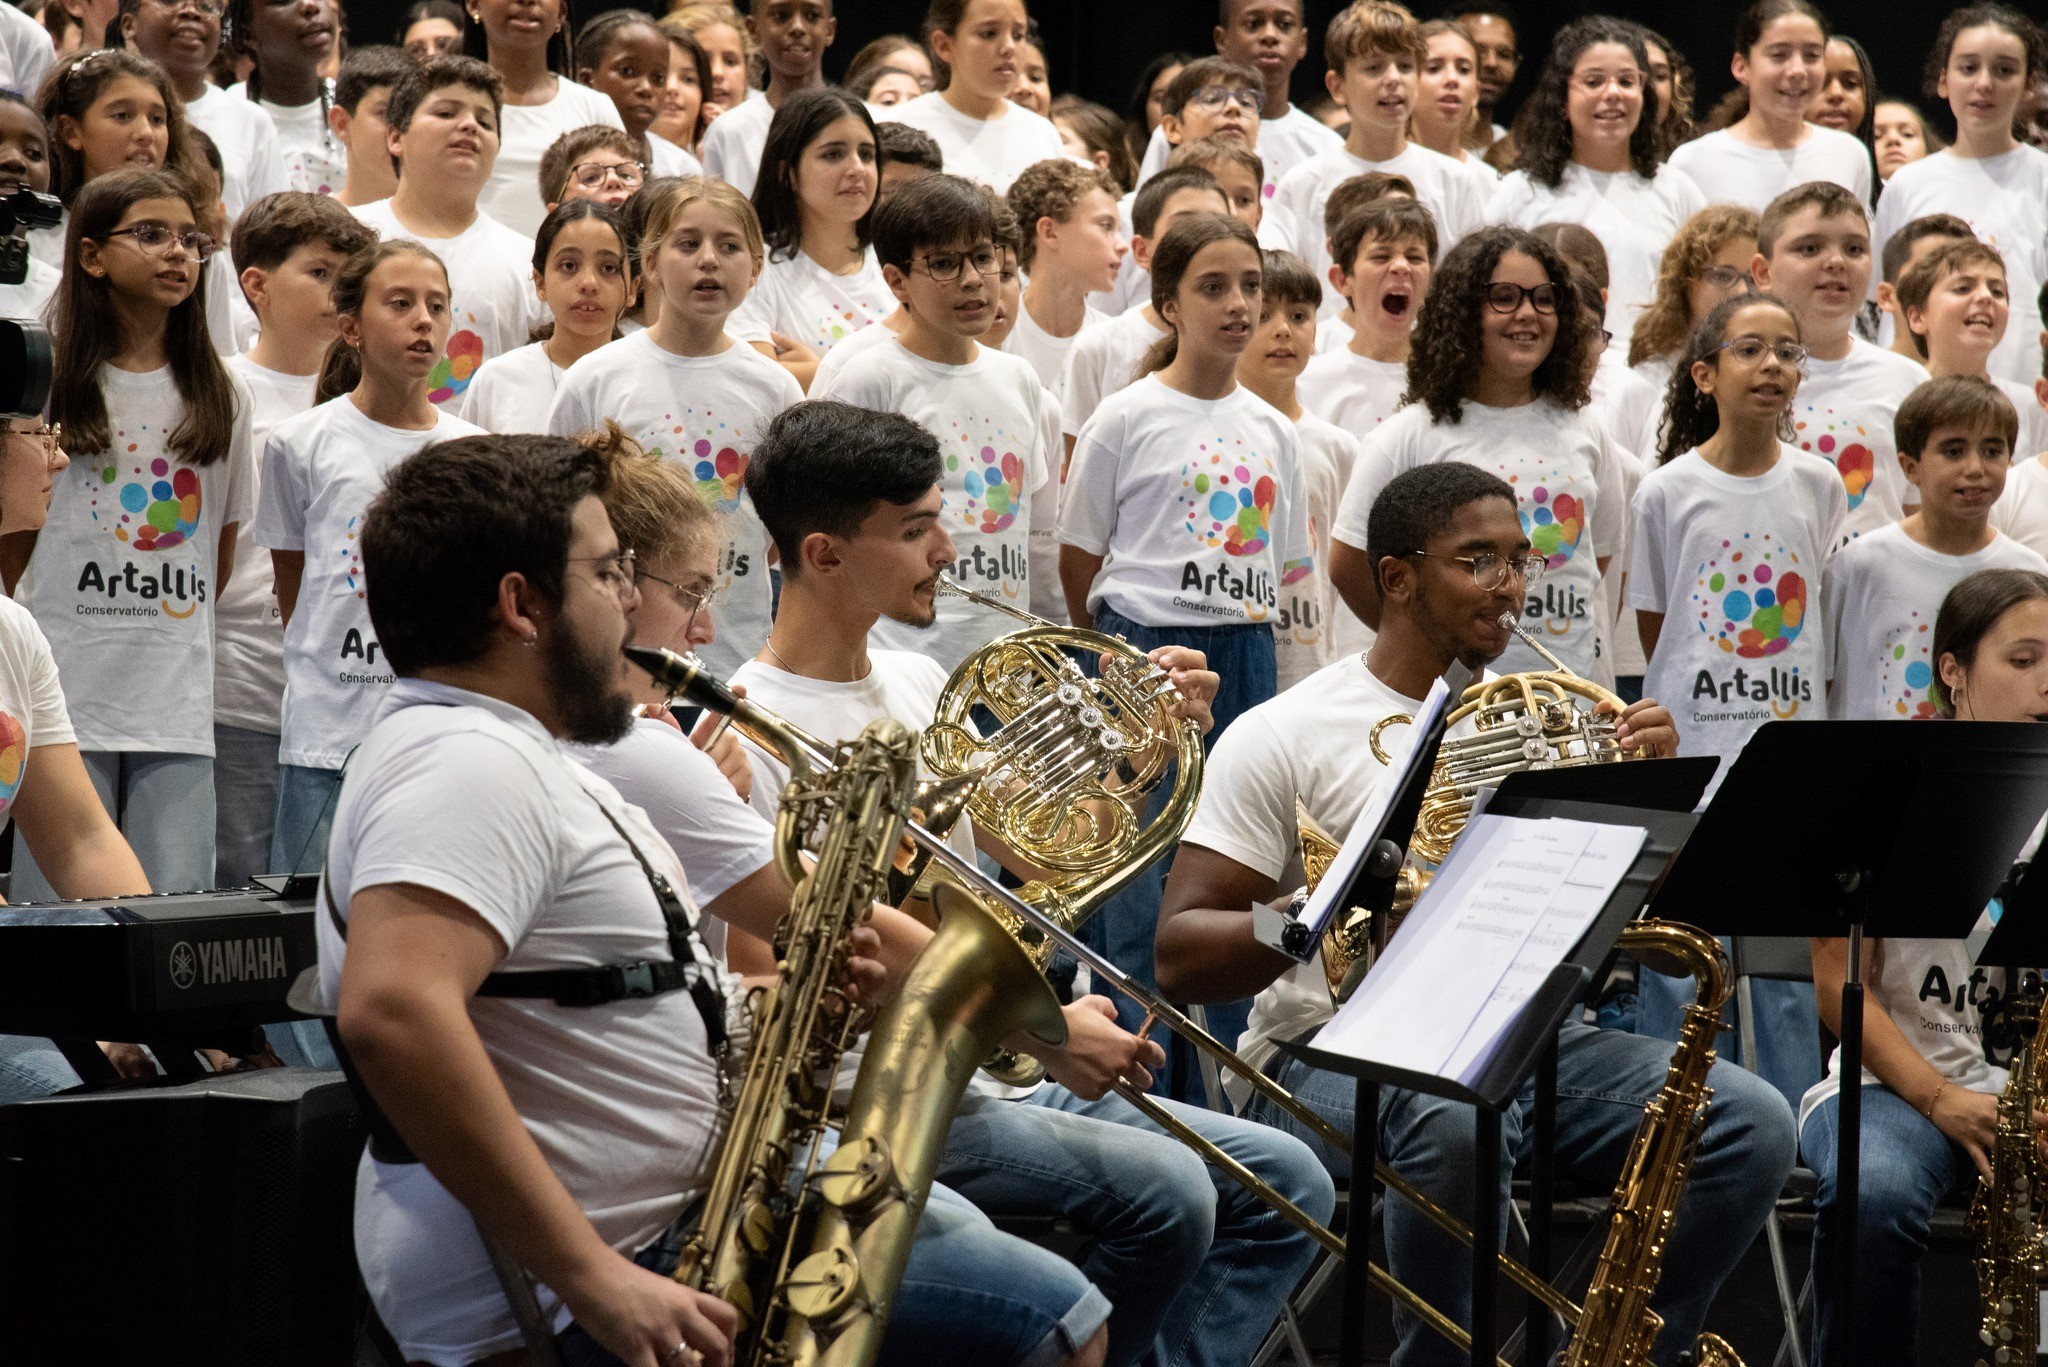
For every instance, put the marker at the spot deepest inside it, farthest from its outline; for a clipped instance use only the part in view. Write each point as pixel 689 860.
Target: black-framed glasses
pixel 1727 277
pixel 945 267
pixel 692 601
pixel 1751 350
pixel 1504 296
pixel 591 174
pixel 1216 96
pixel 156 239
pixel 1490 571
pixel 614 571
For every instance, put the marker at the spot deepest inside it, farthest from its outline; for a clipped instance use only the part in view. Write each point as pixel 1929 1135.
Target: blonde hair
pixel 697 15
pixel 1666 325
pixel 671 197
pixel 654 503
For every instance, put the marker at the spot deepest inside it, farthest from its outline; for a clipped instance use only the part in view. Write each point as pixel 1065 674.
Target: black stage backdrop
pixel 1097 48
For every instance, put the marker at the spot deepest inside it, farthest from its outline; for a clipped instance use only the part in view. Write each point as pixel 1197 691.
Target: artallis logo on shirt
pixel 1002 565
pixel 152 509
pixel 1558 607
pixel 1783 689
pixel 1905 672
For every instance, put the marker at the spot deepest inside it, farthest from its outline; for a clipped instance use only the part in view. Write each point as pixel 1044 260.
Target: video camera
pixel 24 345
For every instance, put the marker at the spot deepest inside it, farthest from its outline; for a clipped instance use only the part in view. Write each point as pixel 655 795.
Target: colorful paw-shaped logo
pixel 1750 605
pixel 1553 522
pixel 1856 462
pixel 452 373
pixel 1228 507
pixel 720 472
pixel 1906 670
pixel 13 757
pixel 150 509
pixel 993 483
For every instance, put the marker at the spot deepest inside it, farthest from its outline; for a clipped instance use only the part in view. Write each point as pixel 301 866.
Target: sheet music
pixel 1365 831
pixel 1507 906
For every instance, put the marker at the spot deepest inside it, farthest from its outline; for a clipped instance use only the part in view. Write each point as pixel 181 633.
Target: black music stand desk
pixel 1832 829
pixel 1500 1081
pixel 2020 939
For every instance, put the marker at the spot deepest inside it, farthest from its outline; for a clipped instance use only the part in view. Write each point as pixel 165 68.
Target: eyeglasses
pixel 614 572
pixel 210 9
pixel 49 435
pixel 945 267
pixel 1216 96
pixel 693 601
pixel 1505 297
pixel 1726 277
pixel 1750 350
pixel 157 238
pixel 1490 571
pixel 591 174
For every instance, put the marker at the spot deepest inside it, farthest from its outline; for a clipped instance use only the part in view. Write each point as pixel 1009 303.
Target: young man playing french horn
pixel 1195 1267
pixel 1451 557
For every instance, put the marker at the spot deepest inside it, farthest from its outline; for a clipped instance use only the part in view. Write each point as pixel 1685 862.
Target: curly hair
pixel 1978 16
pixel 1546 141
pixel 1445 359
pixel 1690 417
pixel 1662 328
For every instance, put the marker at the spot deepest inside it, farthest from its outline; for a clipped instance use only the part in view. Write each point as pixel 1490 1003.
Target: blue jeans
pixel 1906 1167
pixel 32 1067
pixel 1787 1027
pixel 1242 656
pixel 1197 1268
pixel 305 816
pixel 163 805
pixel 245 803
pixel 970 1293
pixel 1604 1078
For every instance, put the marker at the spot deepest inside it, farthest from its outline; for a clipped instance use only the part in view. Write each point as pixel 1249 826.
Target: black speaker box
pixel 205 1223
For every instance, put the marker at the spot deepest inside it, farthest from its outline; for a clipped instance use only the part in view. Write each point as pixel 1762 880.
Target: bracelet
pixel 1935 1100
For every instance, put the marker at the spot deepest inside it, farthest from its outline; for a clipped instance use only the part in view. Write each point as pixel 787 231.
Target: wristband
pixel 1935 1100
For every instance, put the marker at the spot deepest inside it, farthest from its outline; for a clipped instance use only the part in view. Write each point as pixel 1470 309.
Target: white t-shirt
pixel 807 303
pixel 26 54
pixel 1633 217
pixel 124 570
pixel 993 151
pixel 1101 363
pixel 1048 354
pixel 491 306
pixel 321 469
pixel 1444 187
pixel 2033 436
pixel 1734 564
pixel 1314 626
pixel 33 294
pixel 1334 334
pixel 526 131
pixel 252 164
pixel 2022 510
pixel 1881 595
pixel 720 839
pixel 1196 505
pixel 732 144
pixel 1844 411
pixel 1729 171
pixel 843 352
pixel 513 392
pixel 1308 744
pixel 1355 392
pixel 1627 404
pixel 2004 200
pixel 708 412
pixel 32 711
pixel 315 160
pixel 1570 487
pixel 1284 143
pixel 1001 495
pixel 248 630
pixel 671 160
pixel 470 797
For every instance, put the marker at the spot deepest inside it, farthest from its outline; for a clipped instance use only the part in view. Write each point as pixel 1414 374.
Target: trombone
pixel 684 675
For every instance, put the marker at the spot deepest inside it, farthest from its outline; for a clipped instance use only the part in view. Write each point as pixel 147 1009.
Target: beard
pixel 1430 619
pixel 583 683
pixel 914 616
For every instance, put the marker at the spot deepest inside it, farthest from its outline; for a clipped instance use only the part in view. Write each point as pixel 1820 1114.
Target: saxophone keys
pixel 757 1227
pixel 823 1285
pixel 857 1175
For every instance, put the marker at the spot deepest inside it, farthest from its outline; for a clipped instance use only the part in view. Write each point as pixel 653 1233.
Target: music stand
pixel 1500 1080
pixel 1901 831
pixel 2020 939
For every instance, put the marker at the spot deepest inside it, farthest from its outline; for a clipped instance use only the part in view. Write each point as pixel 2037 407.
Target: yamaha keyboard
pixel 183 965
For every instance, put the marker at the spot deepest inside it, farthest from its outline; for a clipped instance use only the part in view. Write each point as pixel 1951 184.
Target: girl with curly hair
pixel 1780 56
pixel 1497 378
pixel 1707 261
pixel 1984 61
pixel 1589 156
